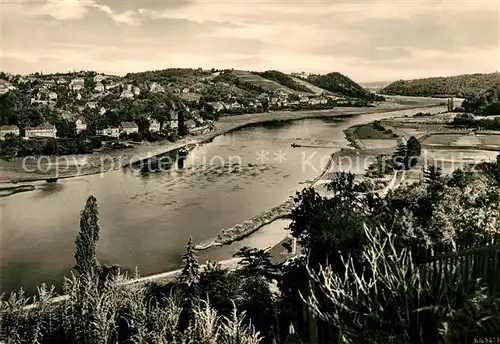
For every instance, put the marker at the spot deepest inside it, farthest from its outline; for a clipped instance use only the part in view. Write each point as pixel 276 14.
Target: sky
pixel 365 40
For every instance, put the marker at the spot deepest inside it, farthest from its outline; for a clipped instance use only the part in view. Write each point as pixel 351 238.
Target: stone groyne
pixel 244 229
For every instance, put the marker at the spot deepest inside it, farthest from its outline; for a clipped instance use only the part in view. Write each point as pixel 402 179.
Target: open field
pixel 462 140
pixel 268 85
pixel 451 159
pixel 440 140
pixel 490 140
pixel 314 89
pixel 369 132
pixel 381 144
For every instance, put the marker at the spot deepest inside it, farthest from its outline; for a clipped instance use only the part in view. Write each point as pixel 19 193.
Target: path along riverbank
pixel 32 170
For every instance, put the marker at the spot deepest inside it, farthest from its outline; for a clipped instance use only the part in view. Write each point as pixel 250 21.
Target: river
pixel 146 218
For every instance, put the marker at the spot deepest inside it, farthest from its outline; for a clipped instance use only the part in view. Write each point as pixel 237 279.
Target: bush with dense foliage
pixel 486 103
pixel 339 83
pixel 468 121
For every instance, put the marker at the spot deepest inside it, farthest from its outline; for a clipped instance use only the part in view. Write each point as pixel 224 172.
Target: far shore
pixel 13 171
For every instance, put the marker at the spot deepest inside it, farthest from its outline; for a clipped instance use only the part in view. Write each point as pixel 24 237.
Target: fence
pixel 471 258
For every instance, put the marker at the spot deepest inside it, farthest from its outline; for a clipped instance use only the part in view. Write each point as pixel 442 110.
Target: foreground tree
pixel 86 240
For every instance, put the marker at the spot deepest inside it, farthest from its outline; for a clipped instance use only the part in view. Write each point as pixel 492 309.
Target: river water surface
pixel 147 218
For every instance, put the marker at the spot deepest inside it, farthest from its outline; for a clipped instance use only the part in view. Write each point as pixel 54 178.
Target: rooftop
pixel 129 125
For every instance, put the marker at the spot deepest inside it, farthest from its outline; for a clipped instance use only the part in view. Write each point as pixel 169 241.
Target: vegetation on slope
pixel 468 121
pixel 458 86
pixel 361 280
pixel 284 80
pixel 486 103
pixel 341 84
pixel 166 76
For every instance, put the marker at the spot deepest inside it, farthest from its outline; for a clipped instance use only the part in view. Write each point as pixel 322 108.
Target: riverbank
pixel 18 171
pixel 10 189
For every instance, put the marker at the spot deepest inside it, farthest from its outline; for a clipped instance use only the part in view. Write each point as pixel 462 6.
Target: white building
pixel 102 111
pixel 8 129
pixel 99 78
pixel 112 86
pixel 155 87
pixel 304 99
pixel 78 96
pixel 127 94
pixel 217 106
pixel 190 124
pixel 43 130
pixel 199 130
pixel 53 96
pixel 81 125
pixel 99 87
pixel 137 91
pixel 77 84
pixel 91 105
pixel 129 127
pixel 154 125
pixel 111 132
pixel 314 101
pixel 174 120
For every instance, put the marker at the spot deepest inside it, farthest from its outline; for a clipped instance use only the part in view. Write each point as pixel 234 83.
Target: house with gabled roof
pixel 154 125
pixel 81 125
pixel 42 130
pixel 129 127
pixel 99 87
pixel 77 84
pixel 110 131
pixel 6 130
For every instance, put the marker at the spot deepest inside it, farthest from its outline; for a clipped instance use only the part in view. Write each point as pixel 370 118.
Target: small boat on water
pixel 295 145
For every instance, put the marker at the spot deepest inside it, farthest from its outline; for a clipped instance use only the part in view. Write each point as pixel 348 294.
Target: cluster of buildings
pixel 5 86
pixel 50 131
pixel 278 99
pixel 42 130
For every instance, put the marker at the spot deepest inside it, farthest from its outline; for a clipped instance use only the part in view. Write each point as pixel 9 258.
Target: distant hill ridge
pixel 458 86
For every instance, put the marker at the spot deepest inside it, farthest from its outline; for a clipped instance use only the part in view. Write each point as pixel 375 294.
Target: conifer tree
pixel 191 268
pixel 86 240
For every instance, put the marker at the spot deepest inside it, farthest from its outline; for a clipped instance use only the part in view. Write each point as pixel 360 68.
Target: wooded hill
pixel 458 86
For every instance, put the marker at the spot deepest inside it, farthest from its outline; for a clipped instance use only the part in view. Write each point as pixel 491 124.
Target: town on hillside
pixel 154 105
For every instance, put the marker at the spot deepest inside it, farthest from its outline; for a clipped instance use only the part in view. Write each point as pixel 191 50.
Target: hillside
pixel 458 86
pixel 375 86
pixel 338 83
pixel 486 103
pixel 260 83
pixel 284 80
pixel 171 75
pixel 312 89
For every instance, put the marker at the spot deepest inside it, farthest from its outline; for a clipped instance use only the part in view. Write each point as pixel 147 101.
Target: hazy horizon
pixel 376 41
